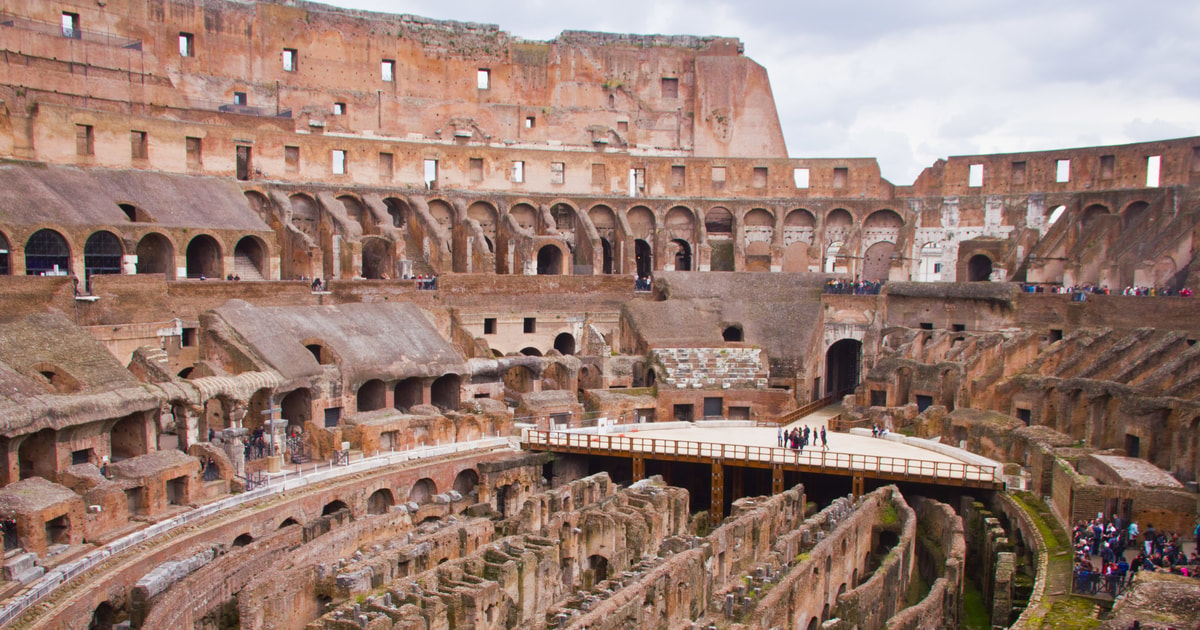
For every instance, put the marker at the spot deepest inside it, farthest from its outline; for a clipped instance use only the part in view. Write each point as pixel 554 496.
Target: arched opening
pixel 321 353
pixel 549 261
pixel 485 215
pixel 128 437
pixel 466 481
pixel 877 260
pixel 288 522
pixel 296 408
pixel 356 212
pixel 1055 215
pixel 1136 215
pixel 949 383
pixel 732 333
pixel 555 376
pixel 831 255
pixel 185 372
pixel 204 258
pixel 1091 212
pixel 683 255
pixel 467 431
pixel 565 343
pixel 564 217
pixel 842 366
pixel 607 251
pixel 979 268
pixel 643 258
pixel 407 393
pixel 524 216
pixel 243 540
pixel 442 213
pixel 530 351
pixel 399 211
pixel 371 396
pixel 598 569
pixel 812 624
pixel 380 501
pixel 422 491
pixel 101 256
pixel 155 254
pixel 103 617
pixel 250 258
pixel 518 379
pixel 718 221
pixel 444 392
pixel 5 256
pixel 47 254
pixel 333 507
pixel 929 266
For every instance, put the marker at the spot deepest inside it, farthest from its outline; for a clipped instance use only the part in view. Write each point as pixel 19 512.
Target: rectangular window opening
pixel 475 166
pixel 718 177
pixel 1018 172
pixel 187 337
pixel 483 79
pixel 82 456
pixel 193 146
pixel 290 59
pixel 1062 171
pixel 1108 166
pixel 518 172
pixel 187 43
pixel 670 87
pixel 975 176
pixel 85 140
pixel 958 327
pixel 840 175
pixel 678 176
pixel 291 159
pixel 530 121
pixel 1153 170
pixel 239 98
pixel 1196 159
pixel 714 407
pixel 387 69
pixel 760 177
pixel 70 25
pixel 530 325
pixel 332 416
pixel 800 177
pixel 385 166
pixel 926 325
pixel 924 402
pixel 1056 334
pixel 622 126
pixel 244 166
pixel 339 109
pixel 557 172
pixel 598 176
pixel 137 145
pixel 637 181
pixel 489 325
pixel 431 172
pixel 1025 415
pixel 339 161
pixel 878 397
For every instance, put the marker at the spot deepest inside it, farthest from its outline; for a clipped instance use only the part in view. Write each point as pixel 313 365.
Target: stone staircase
pixel 21 566
pixel 713 368
pixel 244 268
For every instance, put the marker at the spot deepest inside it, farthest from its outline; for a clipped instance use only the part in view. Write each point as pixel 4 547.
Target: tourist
pixel 825 443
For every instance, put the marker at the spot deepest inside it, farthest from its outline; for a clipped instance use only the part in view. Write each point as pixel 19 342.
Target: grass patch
pixel 1071 613
pixel 975 613
pixel 888 516
pixel 1055 537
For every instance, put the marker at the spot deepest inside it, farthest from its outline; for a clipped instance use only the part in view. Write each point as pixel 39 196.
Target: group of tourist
pixel 256 447
pixel 1154 551
pixel 424 283
pixel 797 438
pixel 851 287
pixel 641 283
pixel 1080 291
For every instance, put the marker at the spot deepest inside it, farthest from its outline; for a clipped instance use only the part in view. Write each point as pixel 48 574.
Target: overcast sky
pixel 909 81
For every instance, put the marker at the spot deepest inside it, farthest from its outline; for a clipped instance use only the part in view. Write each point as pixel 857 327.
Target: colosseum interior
pixel 323 319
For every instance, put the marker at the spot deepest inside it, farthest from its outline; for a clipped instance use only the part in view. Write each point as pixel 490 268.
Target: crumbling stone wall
pixel 941 560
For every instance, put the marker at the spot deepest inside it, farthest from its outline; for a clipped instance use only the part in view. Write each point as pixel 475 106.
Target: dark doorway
pixel 549 261
pixel 444 392
pixel 713 407
pixel 204 257
pixel 101 255
pixel 683 413
pixel 979 268
pixel 732 333
pixel 683 255
pixel 47 253
pixel 842 366
pixel 249 259
pixel 155 254
pixel 607 251
pixel 565 343
pixel 244 167
pixel 644 258
pixel 5 265
pixel 1133 445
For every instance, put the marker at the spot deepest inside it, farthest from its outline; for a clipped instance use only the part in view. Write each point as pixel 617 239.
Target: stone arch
pixel 606 251
pixel 37 456
pixel 444 392
pixel 442 213
pixel 800 218
pixel 832 252
pixel 467 431
pixel 718 221
pixel 204 257
pixel 103 617
pixel 288 522
pixel 556 376
pixel 1135 214
pixel 929 266
pixel 565 343
pixel 759 218
pixel 47 252
pixel 127 439
pixel 733 333
pixel 378 258
pixel 242 540
pixel 605 222
pixel 518 379
pixel 1091 212
pixel 422 491
pixel 798 228
pixel 250 258
pixel 258 202
pixel 877 261
pixel 306 215
pixel 323 354
pixel 5 256
pixel 758 256
pixel 525 216
pixel 296 407
pixel 380 501
pixel 949 393
pixel 530 351
pixel 842 366
pixel 156 254
pixel 358 212
pixel 839 218
pixel 641 222
pixel 643 258
pixel 681 251
pixel 408 393
pixel 549 260
pixel 884 219
pixel 371 395
pixel 680 224
pixel 1164 272
pixel 598 569
pixel 102 255
pixel 399 210
pixel 979 268
pixel 564 215
pixel 333 507
pixel 485 215
pixel 466 481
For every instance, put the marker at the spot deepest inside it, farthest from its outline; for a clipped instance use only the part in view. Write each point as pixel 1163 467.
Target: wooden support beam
pixel 858 486
pixel 717 498
pixel 639 468
pixel 776 479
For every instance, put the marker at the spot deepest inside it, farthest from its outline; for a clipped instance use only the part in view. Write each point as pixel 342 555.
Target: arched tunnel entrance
pixel 842 366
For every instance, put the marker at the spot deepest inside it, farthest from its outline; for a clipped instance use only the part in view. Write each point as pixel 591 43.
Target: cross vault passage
pixel 282 285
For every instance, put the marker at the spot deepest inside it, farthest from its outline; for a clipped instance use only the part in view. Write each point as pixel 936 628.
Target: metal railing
pixel 58 576
pixel 58 30
pixel 814 458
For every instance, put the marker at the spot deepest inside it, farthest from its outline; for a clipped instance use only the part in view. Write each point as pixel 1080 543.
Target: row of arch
pixel 48 252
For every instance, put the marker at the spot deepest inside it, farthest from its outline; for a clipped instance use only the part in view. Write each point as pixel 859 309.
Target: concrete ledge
pixel 938 447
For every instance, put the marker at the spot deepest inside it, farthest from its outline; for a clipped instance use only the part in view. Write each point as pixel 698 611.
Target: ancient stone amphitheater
pixel 325 319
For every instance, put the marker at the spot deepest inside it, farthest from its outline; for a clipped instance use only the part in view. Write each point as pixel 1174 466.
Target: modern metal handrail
pixel 815 458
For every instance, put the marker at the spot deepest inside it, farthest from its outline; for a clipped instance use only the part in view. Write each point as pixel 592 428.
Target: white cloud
pixel 909 82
